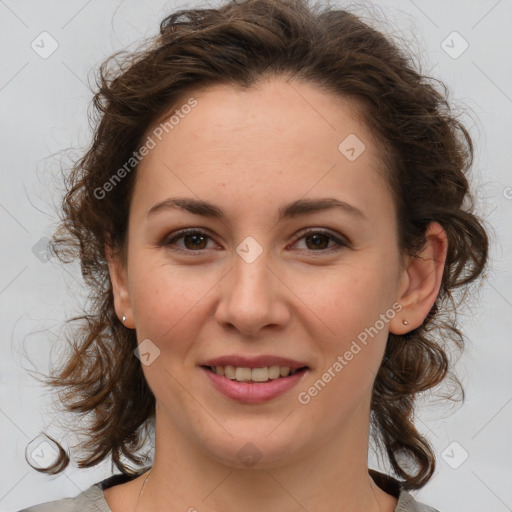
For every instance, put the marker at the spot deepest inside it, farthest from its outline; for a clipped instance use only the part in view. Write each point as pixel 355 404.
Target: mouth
pixel 254 375
pixel 253 385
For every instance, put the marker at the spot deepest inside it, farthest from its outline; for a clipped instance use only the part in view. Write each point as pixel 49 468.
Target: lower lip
pixel 254 392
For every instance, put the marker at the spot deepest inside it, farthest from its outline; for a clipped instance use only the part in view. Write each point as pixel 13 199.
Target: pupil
pixel 315 237
pixel 196 238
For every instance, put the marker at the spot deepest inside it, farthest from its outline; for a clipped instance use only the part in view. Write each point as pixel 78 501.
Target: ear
pixel 421 280
pixel 119 279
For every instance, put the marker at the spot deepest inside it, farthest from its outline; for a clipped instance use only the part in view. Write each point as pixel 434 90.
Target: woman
pixel 273 221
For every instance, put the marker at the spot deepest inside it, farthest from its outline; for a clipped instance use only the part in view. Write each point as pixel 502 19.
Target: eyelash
pixel 193 231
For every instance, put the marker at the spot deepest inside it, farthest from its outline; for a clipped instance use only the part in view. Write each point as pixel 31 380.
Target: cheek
pixel 358 311
pixel 166 298
pixel 352 298
pixel 357 308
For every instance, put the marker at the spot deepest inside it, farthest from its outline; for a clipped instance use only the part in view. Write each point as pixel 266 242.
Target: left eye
pixel 320 240
pixel 195 241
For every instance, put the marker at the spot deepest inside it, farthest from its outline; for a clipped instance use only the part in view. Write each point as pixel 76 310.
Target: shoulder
pixel 92 499
pixel 405 501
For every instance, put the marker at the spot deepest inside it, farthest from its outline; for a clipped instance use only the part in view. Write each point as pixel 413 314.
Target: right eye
pixel 193 240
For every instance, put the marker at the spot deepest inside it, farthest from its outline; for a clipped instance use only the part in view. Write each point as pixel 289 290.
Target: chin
pixel 248 450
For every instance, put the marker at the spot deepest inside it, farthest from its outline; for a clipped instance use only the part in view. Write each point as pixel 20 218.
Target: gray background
pixel 43 104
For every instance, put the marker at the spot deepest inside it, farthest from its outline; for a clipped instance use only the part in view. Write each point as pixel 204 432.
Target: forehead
pixel 274 110
pixel 277 140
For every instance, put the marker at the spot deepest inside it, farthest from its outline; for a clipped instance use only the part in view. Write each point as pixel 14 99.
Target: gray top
pixel 93 499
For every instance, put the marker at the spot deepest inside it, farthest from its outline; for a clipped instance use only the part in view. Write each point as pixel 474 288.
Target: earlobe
pixel 421 281
pixel 119 280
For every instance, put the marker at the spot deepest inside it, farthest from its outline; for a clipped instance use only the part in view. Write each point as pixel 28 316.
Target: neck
pixel 333 476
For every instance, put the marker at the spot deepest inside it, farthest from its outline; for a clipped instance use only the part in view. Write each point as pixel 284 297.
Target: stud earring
pixel 405 322
pixel 124 319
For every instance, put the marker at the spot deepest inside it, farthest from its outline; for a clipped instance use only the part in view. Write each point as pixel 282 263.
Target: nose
pixel 253 298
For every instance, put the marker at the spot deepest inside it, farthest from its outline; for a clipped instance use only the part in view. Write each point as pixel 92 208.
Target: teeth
pixel 229 371
pixel 284 371
pixel 274 372
pixel 241 374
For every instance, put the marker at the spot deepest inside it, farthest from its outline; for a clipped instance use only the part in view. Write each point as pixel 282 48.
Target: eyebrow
pixel 289 210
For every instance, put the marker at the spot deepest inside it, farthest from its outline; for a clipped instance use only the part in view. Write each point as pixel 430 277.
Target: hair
pixel 427 153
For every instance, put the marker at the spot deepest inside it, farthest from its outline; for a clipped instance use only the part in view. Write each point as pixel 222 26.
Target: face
pixel 265 273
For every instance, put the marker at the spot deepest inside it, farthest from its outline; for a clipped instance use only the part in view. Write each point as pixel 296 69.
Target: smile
pixel 253 385
pixel 242 374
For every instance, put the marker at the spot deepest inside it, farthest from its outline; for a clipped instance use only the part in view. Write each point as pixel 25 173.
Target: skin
pixel 249 152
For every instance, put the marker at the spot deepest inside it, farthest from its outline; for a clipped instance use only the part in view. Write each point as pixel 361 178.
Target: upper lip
pixel 254 362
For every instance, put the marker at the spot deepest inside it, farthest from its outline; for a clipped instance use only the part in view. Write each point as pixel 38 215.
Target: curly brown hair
pixel 428 153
